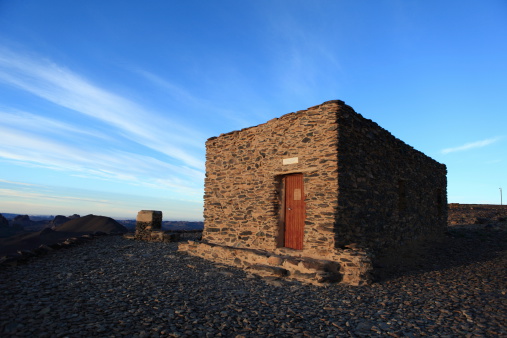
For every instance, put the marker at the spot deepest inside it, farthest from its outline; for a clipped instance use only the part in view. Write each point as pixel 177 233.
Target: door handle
pixel 289 209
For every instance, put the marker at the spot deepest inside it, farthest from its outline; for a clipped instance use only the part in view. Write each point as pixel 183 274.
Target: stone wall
pixel 244 171
pixel 462 214
pixel 167 236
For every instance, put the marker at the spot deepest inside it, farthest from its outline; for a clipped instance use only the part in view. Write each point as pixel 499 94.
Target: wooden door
pixel 294 211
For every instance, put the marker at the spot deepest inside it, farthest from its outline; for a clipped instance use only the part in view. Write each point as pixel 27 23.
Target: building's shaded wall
pixel 244 170
pixel 389 193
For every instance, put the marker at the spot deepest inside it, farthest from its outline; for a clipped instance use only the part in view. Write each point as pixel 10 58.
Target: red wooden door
pixel 294 211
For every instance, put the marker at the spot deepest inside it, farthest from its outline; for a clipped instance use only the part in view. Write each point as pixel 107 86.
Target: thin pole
pixel 501 202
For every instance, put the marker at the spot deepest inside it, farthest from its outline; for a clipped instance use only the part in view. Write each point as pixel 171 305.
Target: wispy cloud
pixel 121 140
pixel 39 196
pixel 179 94
pixel 22 120
pixel 471 145
pixel 99 163
pixel 63 87
pixel 18 183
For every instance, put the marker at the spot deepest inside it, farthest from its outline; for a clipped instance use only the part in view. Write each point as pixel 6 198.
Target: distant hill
pixel 20 223
pixel 182 225
pixel 167 225
pixel 76 227
pixel 60 219
pixel 92 223
pixel 4 222
pixel 9 216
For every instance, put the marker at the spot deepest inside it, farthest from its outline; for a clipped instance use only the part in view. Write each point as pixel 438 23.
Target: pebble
pixel 114 287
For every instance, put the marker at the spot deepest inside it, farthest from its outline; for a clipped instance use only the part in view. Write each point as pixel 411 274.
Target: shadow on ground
pixel 461 245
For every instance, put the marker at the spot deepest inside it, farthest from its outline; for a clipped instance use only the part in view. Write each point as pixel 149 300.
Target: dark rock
pixel 46 231
pixel 4 223
pixel 42 249
pixel 314 264
pixel 481 220
pixel 328 277
pixel 55 246
pixel 21 221
pixel 292 261
pixel 59 220
pixel 273 270
pixel 364 328
pixel 304 276
pixel 25 253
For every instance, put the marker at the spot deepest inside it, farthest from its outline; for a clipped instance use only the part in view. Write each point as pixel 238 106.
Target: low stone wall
pixel 461 214
pixel 351 266
pixel 151 235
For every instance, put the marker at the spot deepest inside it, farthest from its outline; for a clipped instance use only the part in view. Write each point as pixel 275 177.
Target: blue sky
pixel 105 105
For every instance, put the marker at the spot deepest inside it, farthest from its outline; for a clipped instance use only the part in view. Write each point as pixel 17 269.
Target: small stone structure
pixel 147 222
pixel 149 229
pixel 314 195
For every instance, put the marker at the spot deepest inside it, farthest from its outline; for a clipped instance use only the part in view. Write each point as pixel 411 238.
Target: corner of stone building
pixel 349 141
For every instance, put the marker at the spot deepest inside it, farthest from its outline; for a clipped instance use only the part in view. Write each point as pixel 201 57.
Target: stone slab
pixel 149 216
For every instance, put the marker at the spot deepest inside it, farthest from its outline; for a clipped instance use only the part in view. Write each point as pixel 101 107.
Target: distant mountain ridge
pixel 167 225
pixel 40 222
pixel 11 216
pixel 29 240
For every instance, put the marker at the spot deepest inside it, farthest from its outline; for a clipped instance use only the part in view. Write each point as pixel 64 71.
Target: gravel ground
pixel 113 287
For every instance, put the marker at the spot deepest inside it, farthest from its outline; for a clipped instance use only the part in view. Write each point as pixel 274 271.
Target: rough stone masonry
pixel 149 229
pixel 315 195
pixel 147 221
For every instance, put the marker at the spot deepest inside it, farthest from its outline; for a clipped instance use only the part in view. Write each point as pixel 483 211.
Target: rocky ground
pixel 111 286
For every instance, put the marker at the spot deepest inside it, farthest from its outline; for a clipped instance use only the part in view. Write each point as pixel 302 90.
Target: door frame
pixel 282 207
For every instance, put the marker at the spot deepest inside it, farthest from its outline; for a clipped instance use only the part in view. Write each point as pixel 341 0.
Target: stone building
pixel 314 195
